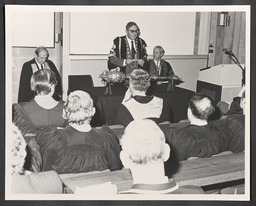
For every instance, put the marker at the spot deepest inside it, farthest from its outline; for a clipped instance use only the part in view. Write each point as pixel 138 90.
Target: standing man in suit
pixel 128 52
pixel 40 61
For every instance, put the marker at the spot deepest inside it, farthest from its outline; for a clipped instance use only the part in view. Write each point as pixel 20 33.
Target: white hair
pixel 143 141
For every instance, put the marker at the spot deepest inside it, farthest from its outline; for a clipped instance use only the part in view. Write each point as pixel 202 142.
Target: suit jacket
pixel 166 69
pixel 236 123
pixel 118 53
pixel 71 151
pixel 25 92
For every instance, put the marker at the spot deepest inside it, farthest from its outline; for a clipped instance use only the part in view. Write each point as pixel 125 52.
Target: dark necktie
pixel 42 66
pixel 158 67
pixel 133 50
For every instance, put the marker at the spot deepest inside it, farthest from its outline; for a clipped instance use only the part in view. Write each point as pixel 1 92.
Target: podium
pixel 221 82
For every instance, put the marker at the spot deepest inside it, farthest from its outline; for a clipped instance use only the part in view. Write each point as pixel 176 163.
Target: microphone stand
pixel 232 56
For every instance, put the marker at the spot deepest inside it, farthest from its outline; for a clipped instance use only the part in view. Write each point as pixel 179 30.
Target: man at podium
pixel 128 52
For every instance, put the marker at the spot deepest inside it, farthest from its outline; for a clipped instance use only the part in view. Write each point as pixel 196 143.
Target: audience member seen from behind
pixel 235 106
pixel 144 151
pixel 128 52
pixel 236 123
pixel 26 182
pixel 40 61
pixel 137 105
pixel 200 138
pixel 79 147
pixel 43 110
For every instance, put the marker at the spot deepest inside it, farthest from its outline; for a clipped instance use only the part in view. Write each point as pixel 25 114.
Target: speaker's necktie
pixel 133 50
pixel 158 68
pixel 42 66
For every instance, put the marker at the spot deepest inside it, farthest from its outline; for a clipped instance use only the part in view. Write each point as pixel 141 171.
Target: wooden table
pixel 201 172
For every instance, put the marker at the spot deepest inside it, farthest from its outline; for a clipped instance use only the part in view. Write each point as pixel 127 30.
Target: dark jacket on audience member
pixel 123 116
pixel 29 117
pixel 235 107
pixel 71 151
pixel 198 141
pixel 42 117
pixel 195 141
pixel 236 124
pixel 234 120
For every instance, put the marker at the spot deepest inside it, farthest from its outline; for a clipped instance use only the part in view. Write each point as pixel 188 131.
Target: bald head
pixel 201 106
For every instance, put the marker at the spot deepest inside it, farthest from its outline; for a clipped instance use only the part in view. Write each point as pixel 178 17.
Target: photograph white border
pixel 9 9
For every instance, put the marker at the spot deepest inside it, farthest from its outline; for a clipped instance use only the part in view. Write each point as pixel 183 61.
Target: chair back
pixel 79 82
pixel 22 120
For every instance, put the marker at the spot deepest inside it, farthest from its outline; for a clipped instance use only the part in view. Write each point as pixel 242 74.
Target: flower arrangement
pixel 19 153
pixel 112 76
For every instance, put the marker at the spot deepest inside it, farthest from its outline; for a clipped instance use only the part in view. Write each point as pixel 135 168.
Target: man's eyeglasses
pixel 133 31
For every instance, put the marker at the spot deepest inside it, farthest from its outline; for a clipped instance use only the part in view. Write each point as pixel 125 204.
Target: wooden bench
pixel 201 172
pixel 119 129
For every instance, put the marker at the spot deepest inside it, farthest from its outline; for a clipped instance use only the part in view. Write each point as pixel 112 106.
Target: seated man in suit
pixel 144 151
pixel 160 68
pixel 137 105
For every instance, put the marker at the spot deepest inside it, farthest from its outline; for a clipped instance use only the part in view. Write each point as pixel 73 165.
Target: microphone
pixel 233 57
pixel 228 52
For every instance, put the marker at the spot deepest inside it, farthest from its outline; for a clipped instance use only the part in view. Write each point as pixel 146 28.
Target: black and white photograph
pixel 142 102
